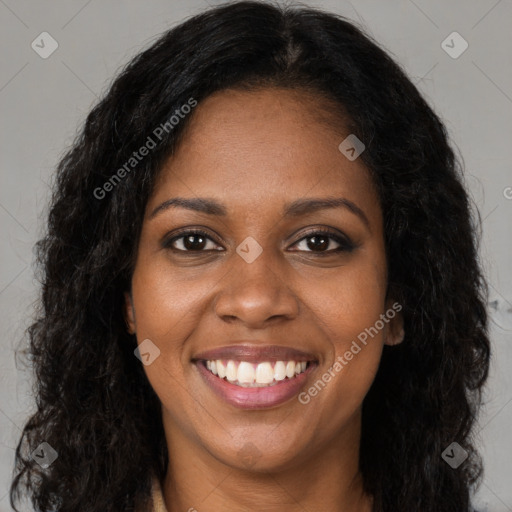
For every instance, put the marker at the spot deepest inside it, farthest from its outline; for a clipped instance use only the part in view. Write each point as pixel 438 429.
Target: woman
pixel 260 285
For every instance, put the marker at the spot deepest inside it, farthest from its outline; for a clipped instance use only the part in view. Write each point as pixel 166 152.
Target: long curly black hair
pixel 95 406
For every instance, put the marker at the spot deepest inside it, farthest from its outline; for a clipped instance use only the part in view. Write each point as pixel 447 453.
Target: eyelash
pixel 345 245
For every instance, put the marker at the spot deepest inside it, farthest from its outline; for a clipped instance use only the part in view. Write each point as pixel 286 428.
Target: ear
pixel 129 312
pixel 394 332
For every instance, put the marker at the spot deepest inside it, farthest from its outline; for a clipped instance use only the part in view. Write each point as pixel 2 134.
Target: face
pixel 271 316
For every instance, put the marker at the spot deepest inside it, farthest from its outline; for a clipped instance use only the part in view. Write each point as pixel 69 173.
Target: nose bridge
pixel 254 289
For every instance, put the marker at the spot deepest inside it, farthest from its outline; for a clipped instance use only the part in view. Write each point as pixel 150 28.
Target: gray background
pixel 43 102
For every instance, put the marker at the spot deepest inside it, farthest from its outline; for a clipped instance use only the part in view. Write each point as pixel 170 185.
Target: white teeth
pixel 290 369
pixel 221 369
pixel 264 373
pixel 279 370
pixel 243 373
pixel 300 367
pixel 231 371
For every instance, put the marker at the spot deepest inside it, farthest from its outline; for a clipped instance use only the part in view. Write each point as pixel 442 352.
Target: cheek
pixel 349 302
pixel 166 303
pixel 348 309
pixel 167 309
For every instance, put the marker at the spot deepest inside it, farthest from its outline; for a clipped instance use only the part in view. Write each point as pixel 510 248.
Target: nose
pixel 255 294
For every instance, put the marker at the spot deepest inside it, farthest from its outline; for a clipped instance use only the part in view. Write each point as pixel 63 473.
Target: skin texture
pixel 255 152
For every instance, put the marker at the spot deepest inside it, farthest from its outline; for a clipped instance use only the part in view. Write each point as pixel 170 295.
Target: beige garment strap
pixel 157 496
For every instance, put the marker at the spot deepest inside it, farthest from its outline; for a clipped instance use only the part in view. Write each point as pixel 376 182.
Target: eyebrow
pixel 294 209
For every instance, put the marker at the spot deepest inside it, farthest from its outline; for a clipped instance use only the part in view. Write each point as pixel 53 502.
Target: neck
pixel 326 479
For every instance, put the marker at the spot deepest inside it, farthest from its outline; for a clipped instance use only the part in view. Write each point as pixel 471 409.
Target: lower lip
pixel 254 398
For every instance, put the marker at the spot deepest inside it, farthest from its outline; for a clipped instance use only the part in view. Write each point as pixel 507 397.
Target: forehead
pixel 264 147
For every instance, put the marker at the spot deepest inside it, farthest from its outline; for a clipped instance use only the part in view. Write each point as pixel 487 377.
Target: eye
pixel 192 240
pixel 322 241
pixel 318 241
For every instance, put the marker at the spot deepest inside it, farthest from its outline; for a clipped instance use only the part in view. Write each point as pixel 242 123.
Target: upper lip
pixel 255 353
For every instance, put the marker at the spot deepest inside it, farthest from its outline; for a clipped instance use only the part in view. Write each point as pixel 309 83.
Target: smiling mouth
pixel 256 375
